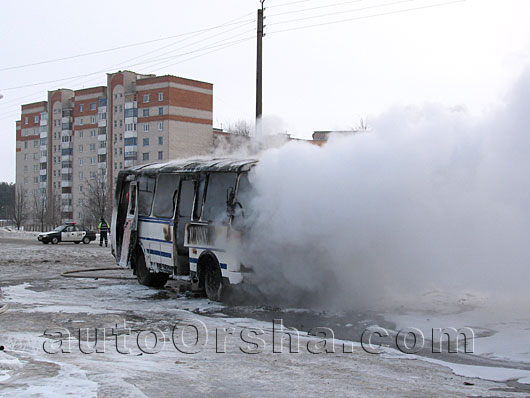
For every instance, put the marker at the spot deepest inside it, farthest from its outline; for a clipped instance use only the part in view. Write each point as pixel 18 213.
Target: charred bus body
pixel 177 218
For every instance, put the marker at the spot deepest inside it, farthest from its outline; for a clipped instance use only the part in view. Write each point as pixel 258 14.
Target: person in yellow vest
pixel 103 231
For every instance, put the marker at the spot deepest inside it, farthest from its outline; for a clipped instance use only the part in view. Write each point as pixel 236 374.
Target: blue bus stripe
pixel 156 240
pixel 159 253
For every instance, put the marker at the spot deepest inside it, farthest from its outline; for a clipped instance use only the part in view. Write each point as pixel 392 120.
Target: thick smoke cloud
pixel 429 198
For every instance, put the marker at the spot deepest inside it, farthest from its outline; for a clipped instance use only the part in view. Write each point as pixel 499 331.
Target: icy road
pixel 45 351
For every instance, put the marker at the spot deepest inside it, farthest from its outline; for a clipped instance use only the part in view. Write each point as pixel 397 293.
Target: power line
pixel 342 12
pixel 287 4
pixel 128 66
pixel 124 46
pixel 367 16
pixel 315 8
pixel 103 71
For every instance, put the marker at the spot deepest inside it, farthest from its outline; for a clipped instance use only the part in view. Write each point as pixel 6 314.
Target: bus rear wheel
pixel 147 278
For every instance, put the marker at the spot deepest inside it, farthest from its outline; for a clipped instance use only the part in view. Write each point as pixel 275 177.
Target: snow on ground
pixel 42 303
pixel 502 332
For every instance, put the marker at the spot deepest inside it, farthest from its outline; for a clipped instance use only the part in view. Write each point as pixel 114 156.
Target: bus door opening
pixel 183 215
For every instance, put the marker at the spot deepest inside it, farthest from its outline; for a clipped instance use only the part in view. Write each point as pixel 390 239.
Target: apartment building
pixel 79 138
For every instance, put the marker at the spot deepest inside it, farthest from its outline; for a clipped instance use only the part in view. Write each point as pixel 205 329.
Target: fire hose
pixel 70 274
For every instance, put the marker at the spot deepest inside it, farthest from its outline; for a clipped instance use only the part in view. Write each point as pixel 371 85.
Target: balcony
pixel 102 151
pixel 66 158
pixel 130 134
pixel 66 196
pixel 129 163
pixel 66 209
pixel 42 185
pixel 44 118
pixel 66 133
pixel 66 145
pixel 67 112
pixel 102 122
pixel 102 165
pixel 42 172
pixel 43 147
pixel 66 183
pixel 66 171
pixel 130 149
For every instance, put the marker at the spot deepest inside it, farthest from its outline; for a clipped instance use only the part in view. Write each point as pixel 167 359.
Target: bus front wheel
pixel 213 281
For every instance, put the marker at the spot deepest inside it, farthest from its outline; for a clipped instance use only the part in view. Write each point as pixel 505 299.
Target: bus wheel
pixel 213 281
pixel 145 277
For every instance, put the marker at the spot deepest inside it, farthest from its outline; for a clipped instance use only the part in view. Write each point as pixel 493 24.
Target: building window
pixel 160 155
pixel 160 140
pixel 35 156
pixel 35 180
pixel 92 133
pixel 161 96
pixel 145 156
pixel 92 175
pixel 93 160
pixel 80 161
pixel 35 168
pixel 80 188
pixel 35 119
pixel 146 127
pixel 115 123
pixel 25 168
pixel 121 108
pixel 80 107
pixel 80 148
pixel 25 122
pixel 35 144
pixel 145 112
pixel 145 142
pixel 160 111
pixel 81 134
pixel 93 119
pixel 92 106
pixel 146 98
pixel 121 136
pixel 25 145
pixel 92 147
pixel 121 123
pixel 80 175
pixel 121 151
pixel 81 121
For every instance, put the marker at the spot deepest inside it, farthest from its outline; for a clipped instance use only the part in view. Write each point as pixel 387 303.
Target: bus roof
pixel 195 166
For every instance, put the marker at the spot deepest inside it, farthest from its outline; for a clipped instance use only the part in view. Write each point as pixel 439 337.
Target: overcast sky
pixel 318 74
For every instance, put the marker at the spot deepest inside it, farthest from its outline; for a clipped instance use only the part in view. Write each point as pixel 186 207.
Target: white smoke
pixel 429 198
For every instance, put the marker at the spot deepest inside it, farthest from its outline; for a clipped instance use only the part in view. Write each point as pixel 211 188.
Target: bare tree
pixel 53 215
pixel 19 211
pixel 362 127
pixel 96 200
pixel 240 127
pixel 39 208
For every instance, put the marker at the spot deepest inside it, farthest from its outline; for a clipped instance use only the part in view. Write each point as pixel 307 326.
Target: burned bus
pixel 176 219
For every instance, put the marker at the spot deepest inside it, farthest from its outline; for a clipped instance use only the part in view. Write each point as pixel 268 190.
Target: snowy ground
pixel 43 304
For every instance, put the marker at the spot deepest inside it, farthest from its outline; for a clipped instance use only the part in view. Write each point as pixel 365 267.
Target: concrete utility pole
pixel 259 82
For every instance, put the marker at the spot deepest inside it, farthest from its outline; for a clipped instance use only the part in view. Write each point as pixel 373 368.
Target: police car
pixel 69 232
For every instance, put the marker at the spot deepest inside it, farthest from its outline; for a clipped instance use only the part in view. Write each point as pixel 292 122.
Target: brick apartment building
pixel 77 137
